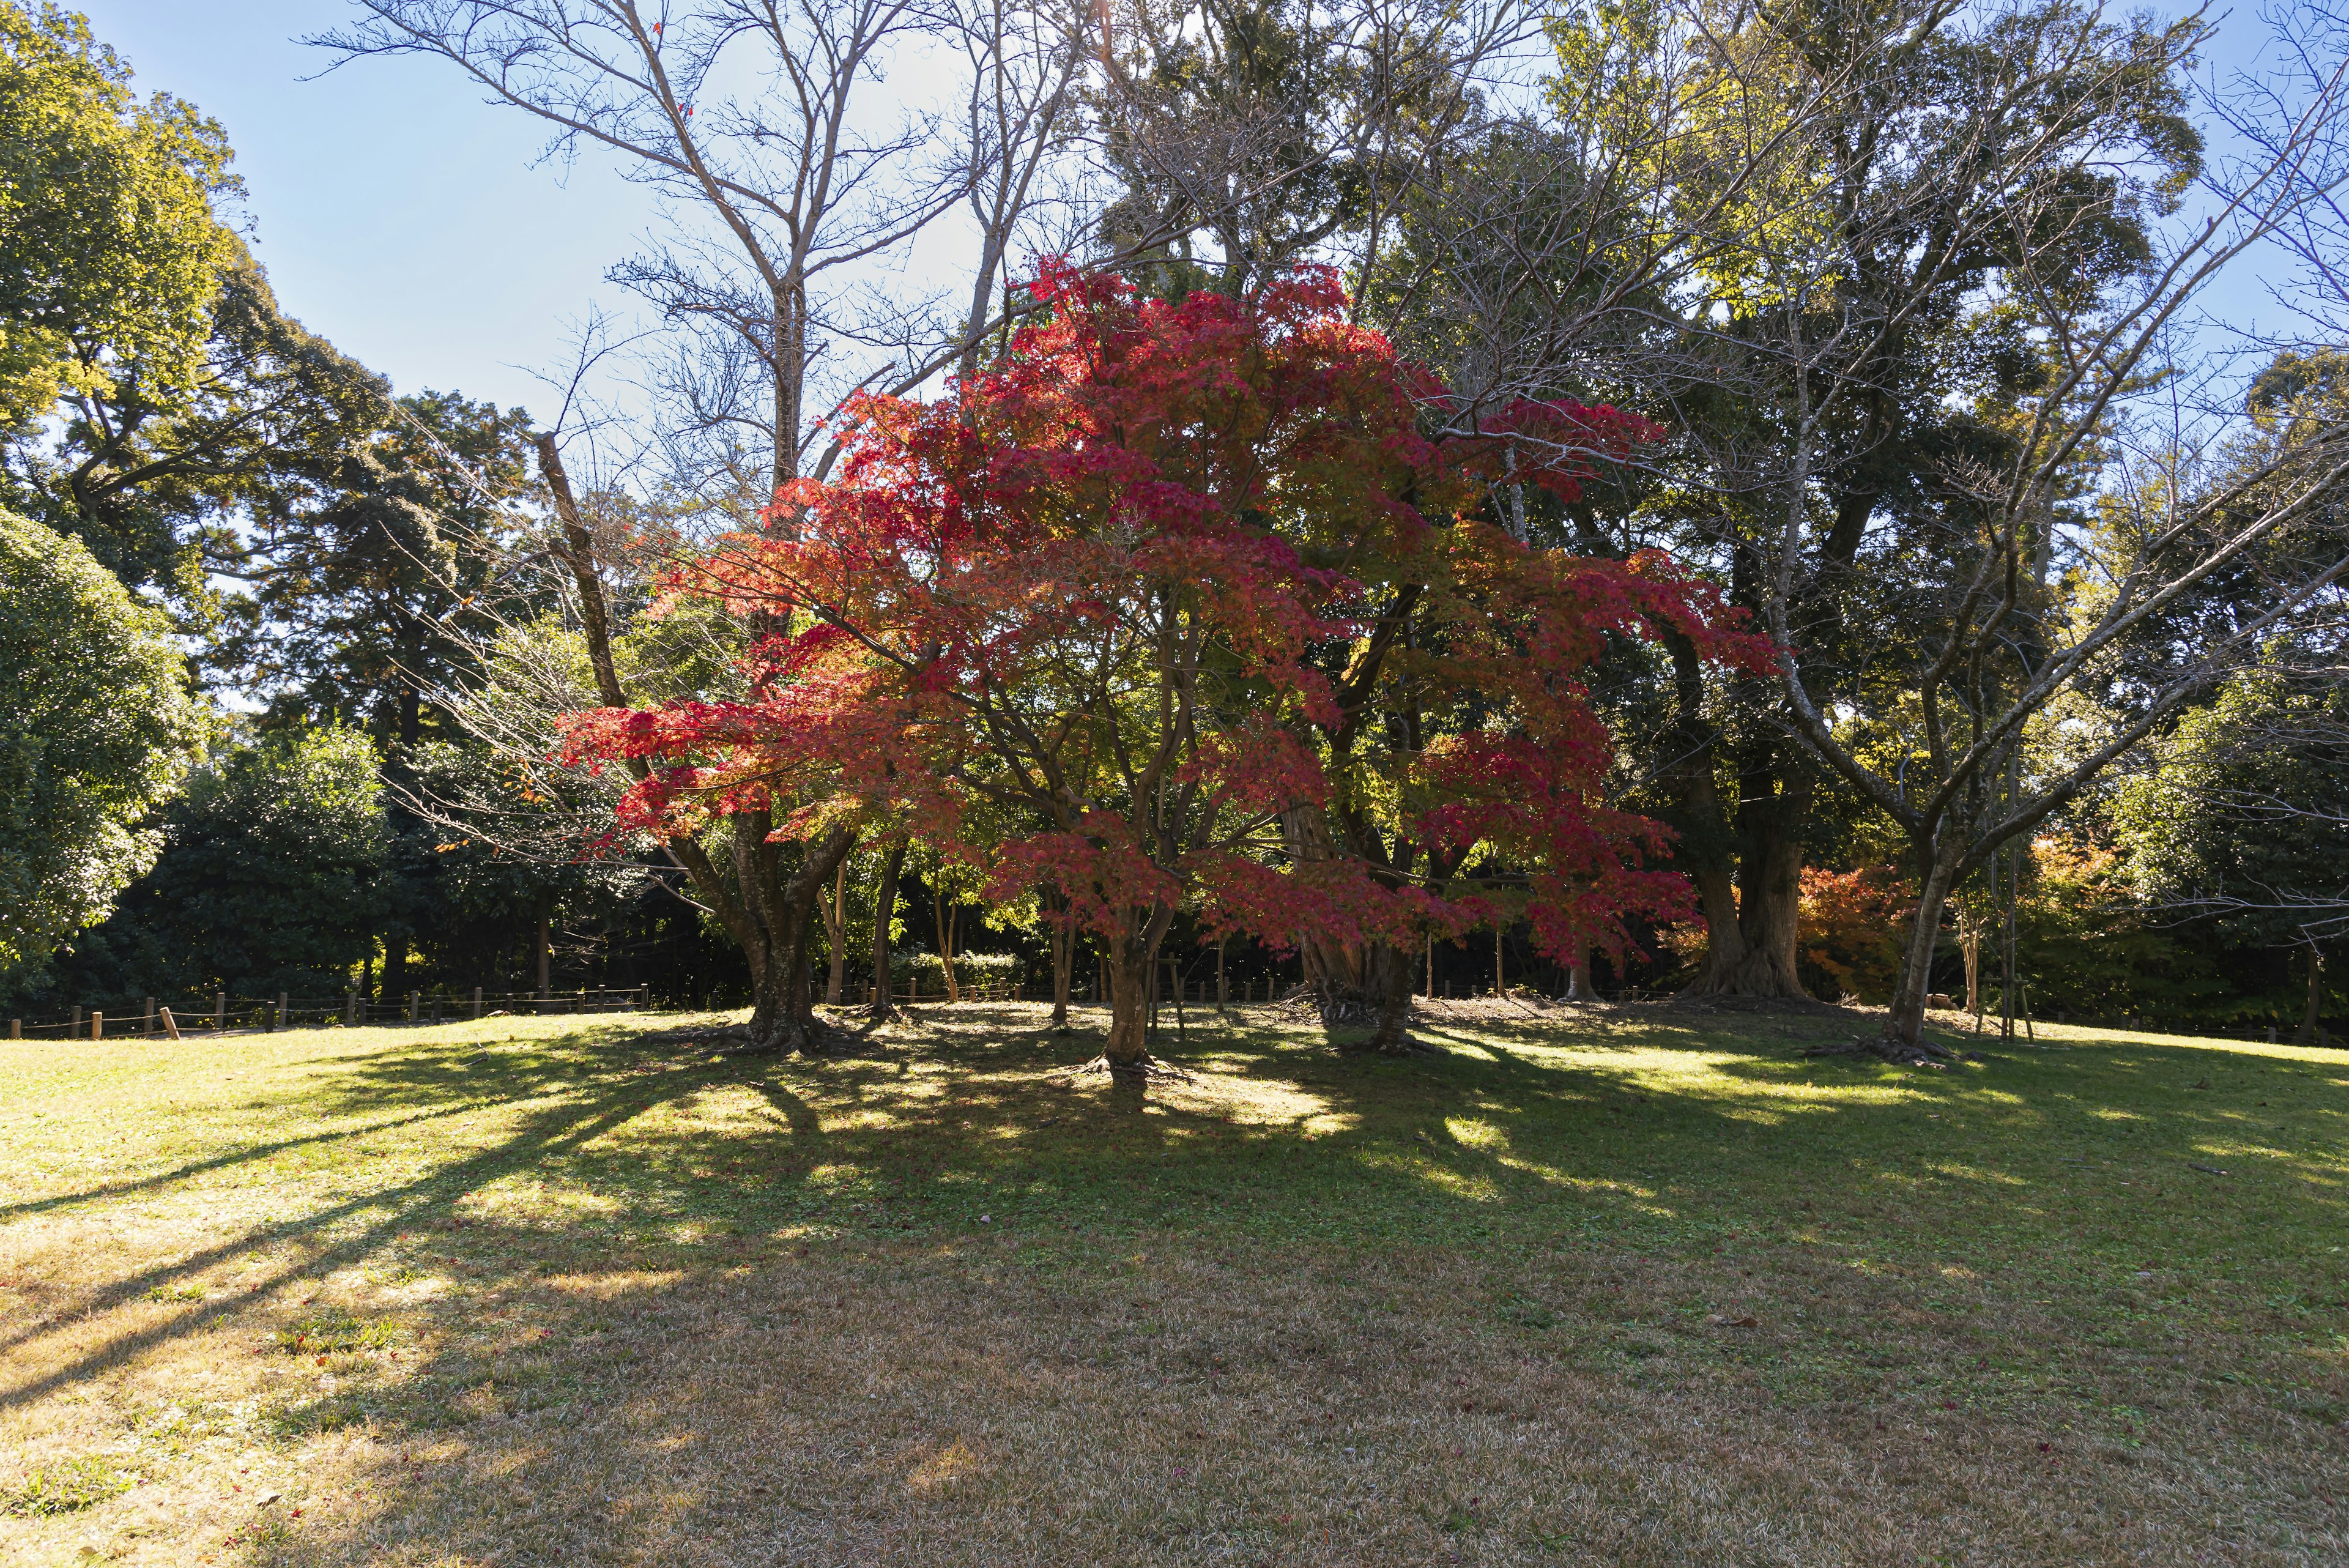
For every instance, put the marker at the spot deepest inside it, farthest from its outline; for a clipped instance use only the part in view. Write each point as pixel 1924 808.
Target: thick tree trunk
pixel 1578 976
pixel 1128 965
pixel 884 910
pixel 2315 1010
pixel 1770 879
pixel 782 1013
pixel 1393 970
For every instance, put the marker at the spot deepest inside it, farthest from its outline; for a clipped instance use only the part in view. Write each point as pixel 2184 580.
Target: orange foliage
pixel 1854 926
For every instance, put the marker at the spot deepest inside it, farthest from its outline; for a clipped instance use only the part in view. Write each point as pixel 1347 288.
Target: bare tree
pixel 785 170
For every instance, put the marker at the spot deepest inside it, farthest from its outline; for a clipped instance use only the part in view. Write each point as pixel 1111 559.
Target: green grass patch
pixel 67 1486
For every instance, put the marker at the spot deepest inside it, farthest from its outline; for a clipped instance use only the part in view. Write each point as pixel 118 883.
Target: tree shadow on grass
pixel 941 1182
pixel 542 1134
pixel 967 1159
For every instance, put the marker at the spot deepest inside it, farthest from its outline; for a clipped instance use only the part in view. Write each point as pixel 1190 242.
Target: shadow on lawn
pixel 888 1160
pixel 974 1111
pixel 969 1124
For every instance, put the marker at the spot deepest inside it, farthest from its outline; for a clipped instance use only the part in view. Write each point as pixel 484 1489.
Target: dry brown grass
pixel 595 1299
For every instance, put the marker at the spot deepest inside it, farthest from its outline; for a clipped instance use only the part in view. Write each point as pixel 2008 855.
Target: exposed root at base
pixel 1150 1069
pixel 1893 1049
pixel 1405 1046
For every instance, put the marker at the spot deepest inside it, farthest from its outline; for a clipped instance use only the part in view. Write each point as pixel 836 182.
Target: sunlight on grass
pixel 507 1272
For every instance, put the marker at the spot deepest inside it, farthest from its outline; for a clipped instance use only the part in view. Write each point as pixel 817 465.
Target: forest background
pixel 1918 297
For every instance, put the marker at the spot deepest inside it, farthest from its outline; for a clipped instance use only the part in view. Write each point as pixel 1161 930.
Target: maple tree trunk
pixel 783 973
pixel 1064 952
pixel 1128 966
pixel 885 909
pixel 1578 976
pixel 1391 966
pixel 835 928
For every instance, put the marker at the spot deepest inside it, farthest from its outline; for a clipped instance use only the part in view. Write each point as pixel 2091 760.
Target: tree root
pixel 1150 1069
pixel 1404 1046
pixel 1892 1048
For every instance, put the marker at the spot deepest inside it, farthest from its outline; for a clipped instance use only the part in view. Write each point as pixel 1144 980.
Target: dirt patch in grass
pixel 1585 1286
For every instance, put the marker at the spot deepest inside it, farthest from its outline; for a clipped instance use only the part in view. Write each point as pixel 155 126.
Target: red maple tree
pixel 1116 598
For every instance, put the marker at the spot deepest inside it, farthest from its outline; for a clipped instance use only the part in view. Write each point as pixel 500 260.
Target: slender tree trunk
pixel 1223 989
pixel 2315 1010
pixel 1971 945
pixel 543 950
pixel 835 931
pixel 884 910
pixel 1064 954
pixel 945 945
pixel 1500 971
pixel 1904 1023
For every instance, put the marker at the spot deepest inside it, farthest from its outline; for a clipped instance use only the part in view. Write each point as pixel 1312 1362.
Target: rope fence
pixel 222 1013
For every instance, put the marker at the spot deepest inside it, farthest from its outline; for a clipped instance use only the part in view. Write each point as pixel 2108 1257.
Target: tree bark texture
pixel 1761 963
pixel 885 912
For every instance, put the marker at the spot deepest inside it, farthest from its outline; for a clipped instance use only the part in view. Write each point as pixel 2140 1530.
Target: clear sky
pixel 405 219
pixel 399 216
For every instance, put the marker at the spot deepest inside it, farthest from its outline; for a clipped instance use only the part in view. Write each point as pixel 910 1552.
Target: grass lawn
pixel 1636 1287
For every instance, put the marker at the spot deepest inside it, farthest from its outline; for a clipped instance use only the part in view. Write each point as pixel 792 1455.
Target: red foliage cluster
pixel 1093 614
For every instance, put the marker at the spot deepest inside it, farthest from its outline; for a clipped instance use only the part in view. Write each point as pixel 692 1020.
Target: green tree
pixel 96 729
pixel 151 387
pixel 369 567
pixel 2245 818
pixel 268 880
pixel 109 253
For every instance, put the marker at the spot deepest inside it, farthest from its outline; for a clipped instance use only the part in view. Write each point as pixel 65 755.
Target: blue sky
pixel 409 222
pixel 398 215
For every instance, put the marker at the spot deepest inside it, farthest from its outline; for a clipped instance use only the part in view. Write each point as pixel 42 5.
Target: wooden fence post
pixel 97 1024
pixel 15 1029
pixel 350 1009
pixel 220 1010
pixel 477 1002
pixel 77 1028
pixel 281 1010
pixel 170 1026
pixel 146 1018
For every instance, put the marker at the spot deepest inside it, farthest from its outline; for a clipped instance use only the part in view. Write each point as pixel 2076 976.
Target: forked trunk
pixel 783 975
pixel 1769 907
pixel 945 945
